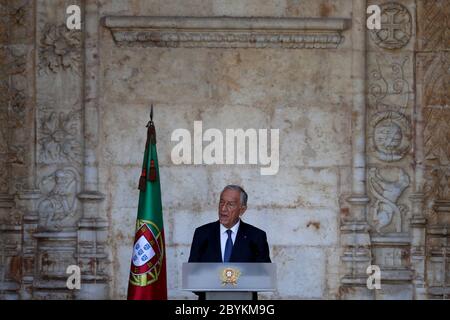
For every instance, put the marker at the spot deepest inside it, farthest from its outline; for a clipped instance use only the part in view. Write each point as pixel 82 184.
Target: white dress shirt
pixel 224 235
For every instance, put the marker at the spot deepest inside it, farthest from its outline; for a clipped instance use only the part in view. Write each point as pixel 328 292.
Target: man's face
pixel 230 208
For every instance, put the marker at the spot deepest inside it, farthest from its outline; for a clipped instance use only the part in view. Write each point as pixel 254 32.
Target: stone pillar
pixel 92 228
pixel 418 221
pixel 355 238
pixel 389 145
pixel 418 248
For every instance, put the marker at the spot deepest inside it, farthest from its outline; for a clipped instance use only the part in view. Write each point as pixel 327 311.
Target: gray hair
pixel 241 190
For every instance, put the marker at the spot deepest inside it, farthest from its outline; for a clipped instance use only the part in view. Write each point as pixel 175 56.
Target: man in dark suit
pixel 230 239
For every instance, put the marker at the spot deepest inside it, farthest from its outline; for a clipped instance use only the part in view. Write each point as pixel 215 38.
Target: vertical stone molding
pixel 93 227
pixel 355 239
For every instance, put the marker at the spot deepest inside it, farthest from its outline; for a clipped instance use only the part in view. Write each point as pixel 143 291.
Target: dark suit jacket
pixel 250 244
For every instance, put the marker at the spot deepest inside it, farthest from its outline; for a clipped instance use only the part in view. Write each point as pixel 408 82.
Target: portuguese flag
pixel 148 262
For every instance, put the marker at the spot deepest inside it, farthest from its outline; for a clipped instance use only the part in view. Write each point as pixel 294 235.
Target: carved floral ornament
pixel 16 11
pixel 13 15
pixel 60 133
pixel 60 49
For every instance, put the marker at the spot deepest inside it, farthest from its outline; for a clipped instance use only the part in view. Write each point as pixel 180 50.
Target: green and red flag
pixel 148 262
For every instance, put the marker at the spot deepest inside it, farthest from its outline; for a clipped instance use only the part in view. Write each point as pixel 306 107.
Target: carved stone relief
pixel 15 10
pixel 437 139
pixel 59 137
pixel 14 217
pixel 59 206
pixel 227 32
pixel 433 28
pixel 395 257
pixel 391 254
pixel 14 62
pixel 4 19
pixel 17 107
pixel 10 259
pixel 13 15
pixel 390 80
pixel 388 84
pixel 389 136
pixel 437 186
pixel 386 186
pixel 13 65
pixel 434 69
pixel 436 111
pixel 17 154
pixel 12 109
pixel 4 178
pixel 436 91
pixel 228 40
pixel 53 264
pixel 60 49
pixel 4 86
pixel 433 92
pixel 396 27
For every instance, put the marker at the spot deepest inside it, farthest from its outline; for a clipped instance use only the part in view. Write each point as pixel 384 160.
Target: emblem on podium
pixel 230 276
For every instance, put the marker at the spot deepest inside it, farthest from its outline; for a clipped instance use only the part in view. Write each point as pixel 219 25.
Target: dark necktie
pixel 228 248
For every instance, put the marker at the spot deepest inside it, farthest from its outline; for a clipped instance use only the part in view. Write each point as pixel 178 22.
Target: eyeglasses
pixel 229 205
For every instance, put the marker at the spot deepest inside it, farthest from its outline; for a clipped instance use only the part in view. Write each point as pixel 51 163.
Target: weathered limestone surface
pixel 363 119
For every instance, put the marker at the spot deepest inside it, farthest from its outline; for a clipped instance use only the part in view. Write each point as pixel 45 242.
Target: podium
pixel 228 281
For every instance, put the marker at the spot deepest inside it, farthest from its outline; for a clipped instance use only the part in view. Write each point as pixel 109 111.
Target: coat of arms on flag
pixel 147 254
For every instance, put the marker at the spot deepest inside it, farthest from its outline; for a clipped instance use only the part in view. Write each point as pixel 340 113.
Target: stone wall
pixel 363 129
